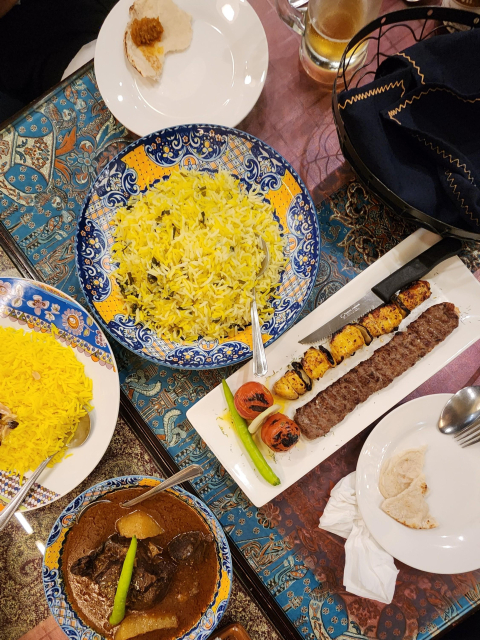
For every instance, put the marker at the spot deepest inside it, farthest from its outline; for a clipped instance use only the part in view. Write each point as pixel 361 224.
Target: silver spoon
pixel 81 434
pixel 188 473
pixel 461 411
pixel 260 366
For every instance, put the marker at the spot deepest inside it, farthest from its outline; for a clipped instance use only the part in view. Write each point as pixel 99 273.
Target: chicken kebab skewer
pixel 317 361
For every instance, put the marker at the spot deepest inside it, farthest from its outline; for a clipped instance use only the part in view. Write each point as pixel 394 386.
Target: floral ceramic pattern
pixel 54 586
pixel 19 298
pixel 38 304
pixel 13 292
pixel 203 147
pixel 72 320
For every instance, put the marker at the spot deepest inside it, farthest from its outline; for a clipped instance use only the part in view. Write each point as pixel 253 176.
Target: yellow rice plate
pixel 188 253
pixel 45 386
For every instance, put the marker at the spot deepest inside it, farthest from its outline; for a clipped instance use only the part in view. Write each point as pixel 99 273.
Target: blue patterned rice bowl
pixel 200 147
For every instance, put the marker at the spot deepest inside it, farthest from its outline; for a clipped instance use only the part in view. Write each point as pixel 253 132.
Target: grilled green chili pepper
pixel 253 451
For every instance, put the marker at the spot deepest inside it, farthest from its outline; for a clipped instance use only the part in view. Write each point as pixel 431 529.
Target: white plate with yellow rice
pixel 168 245
pixel 55 365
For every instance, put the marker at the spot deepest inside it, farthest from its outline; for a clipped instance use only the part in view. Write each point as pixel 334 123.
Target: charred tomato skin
pixel 251 399
pixel 280 433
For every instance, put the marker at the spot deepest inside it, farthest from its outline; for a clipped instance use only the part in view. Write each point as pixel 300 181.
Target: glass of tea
pixel 326 27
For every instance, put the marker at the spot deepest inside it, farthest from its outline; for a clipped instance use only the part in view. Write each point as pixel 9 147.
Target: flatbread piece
pixel 410 507
pixel 148 59
pixel 399 471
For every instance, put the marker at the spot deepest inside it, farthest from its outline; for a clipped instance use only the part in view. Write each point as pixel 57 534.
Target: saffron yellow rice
pixel 188 255
pixel 45 386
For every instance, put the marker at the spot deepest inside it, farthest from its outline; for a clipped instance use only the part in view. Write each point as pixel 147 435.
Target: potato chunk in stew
pixel 138 524
pixel 139 623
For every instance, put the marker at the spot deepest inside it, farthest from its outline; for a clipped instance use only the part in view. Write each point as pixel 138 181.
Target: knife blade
pixel 382 292
pixel 352 313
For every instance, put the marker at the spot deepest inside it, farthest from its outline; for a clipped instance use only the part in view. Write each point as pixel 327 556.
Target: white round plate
pixel 33 306
pixel 453 478
pixel 217 79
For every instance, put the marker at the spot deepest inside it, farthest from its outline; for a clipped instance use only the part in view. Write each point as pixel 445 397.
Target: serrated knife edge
pixel 350 314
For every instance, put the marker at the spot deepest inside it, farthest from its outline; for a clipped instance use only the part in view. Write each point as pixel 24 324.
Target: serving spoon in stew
pixel 81 434
pixel 192 471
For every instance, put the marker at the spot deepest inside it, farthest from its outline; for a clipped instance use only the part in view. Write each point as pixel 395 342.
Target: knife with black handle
pixel 383 291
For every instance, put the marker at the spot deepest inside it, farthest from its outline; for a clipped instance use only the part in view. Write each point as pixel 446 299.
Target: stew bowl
pixel 55 589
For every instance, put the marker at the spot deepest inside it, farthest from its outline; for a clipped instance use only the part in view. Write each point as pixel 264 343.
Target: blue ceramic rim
pixel 220 129
pixel 224 557
pixel 63 297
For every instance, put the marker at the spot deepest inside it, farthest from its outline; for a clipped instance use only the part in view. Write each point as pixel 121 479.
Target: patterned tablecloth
pixel 48 159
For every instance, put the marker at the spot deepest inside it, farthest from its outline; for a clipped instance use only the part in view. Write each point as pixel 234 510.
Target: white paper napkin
pixel 369 570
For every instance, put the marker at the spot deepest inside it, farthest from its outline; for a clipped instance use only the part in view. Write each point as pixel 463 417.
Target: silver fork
pixel 469 436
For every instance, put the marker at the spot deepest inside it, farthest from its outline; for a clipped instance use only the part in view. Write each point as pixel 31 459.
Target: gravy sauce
pixel 193 584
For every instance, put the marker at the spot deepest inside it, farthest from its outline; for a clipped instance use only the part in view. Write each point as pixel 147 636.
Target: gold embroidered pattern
pixel 373 92
pixel 393 112
pixel 417 68
pixel 448 157
pixel 453 186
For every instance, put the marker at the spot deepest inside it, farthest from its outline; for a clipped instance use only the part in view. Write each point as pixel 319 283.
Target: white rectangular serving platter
pixel 450 281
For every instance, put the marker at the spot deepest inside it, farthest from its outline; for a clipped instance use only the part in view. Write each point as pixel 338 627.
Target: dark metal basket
pixel 421 23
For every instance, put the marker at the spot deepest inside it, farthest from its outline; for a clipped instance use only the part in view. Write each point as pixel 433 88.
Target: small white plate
pixel 218 79
pixel 451 281
pixel 453 478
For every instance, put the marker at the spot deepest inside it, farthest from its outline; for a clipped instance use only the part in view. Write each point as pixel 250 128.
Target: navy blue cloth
pixel 417 126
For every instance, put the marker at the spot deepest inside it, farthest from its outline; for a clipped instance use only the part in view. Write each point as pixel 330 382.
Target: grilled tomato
pixel 251 399
pixel 279 432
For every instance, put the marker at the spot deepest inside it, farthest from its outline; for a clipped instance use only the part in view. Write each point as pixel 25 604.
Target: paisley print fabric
pixel 48 159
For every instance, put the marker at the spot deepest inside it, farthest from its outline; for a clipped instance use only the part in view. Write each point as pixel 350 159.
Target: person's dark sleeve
pixel 39 38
